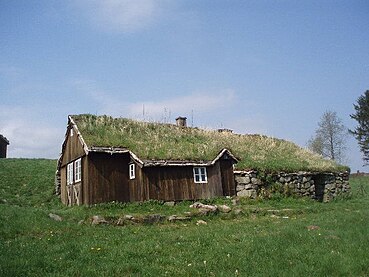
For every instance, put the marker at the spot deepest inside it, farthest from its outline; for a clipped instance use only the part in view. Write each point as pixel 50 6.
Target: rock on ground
pixel 55 217
pixel 97 219
pixel 224 208
pixel 201 222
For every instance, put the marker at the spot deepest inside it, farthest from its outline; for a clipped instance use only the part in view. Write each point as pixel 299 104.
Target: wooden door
pixel 228 184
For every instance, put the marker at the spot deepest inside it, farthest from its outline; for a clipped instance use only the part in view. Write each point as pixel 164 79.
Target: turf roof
pixel 169 142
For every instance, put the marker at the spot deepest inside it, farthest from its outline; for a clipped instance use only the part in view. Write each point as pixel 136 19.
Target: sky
pixel 267 67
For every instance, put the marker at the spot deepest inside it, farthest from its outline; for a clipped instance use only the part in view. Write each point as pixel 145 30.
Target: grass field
pixel 269 237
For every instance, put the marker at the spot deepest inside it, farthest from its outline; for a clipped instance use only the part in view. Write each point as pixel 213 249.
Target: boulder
pixel 224 208
pixel 313 227
pixel 240 187
pixel 121 221
pixel 237 211
pixel 307 185
pixel 55 217
pixel 153 218
pixel 247 193
pixel 174 218
pixel 204 211
pixel 170 203
pixel 242 179
pixel 199 205
pixel 235 201
pixel 255 181
pixel 201 222
pixel 97 219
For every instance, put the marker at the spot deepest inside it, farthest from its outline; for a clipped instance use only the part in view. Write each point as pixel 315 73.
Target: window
pixel 71 132
pixel 70 173
pixel 77 170
pixel 132 172
pixel 199 175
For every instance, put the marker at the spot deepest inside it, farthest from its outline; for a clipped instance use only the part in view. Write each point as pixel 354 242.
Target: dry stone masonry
pixel 319 186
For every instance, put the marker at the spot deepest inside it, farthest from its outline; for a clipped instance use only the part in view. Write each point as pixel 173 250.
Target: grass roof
pixel 170 142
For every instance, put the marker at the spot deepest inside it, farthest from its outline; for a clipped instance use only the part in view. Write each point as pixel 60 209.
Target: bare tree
pixel 330 137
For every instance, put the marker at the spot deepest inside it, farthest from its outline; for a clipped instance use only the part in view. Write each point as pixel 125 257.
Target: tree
pixel 315 144
pixel 361 132
pixel 330 137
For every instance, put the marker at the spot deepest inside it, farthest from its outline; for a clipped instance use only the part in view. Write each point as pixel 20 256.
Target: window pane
pixel 199 174
pixel 70 173
pixel 132 171
pixel 77 170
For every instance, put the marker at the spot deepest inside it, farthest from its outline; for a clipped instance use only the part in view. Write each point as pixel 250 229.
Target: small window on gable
pixel 70 173
pixel 77 170
pixel 71 132
pixel 199 175
pixel 132 171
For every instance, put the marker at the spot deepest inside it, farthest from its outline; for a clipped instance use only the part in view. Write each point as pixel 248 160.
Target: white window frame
pixel 78 170
pixel 200 175
pixel 132 171
pixel 70 174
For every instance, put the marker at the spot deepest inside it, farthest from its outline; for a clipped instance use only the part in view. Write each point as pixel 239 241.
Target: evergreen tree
pixel 361 132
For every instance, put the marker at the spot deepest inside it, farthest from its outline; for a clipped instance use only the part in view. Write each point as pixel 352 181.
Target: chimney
pixel 181 121
pixel 224 130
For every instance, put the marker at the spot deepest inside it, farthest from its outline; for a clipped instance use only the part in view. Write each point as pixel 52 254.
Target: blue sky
pixel 269 67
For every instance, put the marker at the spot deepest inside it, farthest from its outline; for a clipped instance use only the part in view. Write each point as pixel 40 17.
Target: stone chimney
pixel 181 121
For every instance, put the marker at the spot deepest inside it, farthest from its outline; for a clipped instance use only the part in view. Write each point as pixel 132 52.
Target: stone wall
pixel 319 186
pixel 247 183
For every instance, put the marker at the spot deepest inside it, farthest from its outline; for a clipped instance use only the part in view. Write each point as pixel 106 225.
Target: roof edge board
pixel 80 137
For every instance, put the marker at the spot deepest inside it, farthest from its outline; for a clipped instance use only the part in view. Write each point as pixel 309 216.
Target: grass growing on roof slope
pixel 167 141
pixel 252 243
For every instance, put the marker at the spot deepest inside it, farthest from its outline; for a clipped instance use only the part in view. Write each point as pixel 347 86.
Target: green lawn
pixel 256 242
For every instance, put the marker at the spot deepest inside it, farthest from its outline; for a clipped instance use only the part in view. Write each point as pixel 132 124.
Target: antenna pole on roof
pixel 192 118
pixel 165 114
pixel 143 112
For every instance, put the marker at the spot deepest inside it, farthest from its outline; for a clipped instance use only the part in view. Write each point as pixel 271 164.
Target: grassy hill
pixel 168 141
pixel 279 236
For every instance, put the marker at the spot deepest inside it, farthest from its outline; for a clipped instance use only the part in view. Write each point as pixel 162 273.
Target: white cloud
pixel 122 15
pixel 29 137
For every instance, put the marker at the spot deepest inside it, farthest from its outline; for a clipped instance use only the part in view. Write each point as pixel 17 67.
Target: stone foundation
pixel 319 186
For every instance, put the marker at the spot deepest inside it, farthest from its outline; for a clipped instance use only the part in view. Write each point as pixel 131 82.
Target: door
pixel 228 184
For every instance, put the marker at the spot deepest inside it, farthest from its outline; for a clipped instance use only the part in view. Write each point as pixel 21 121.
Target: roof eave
pixel 157 163
pixel 80 137
pixel 4 139
pixel 221 153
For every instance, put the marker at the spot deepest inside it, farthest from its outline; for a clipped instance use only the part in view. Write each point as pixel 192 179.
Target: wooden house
pixel 107 159
pixel 3 146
